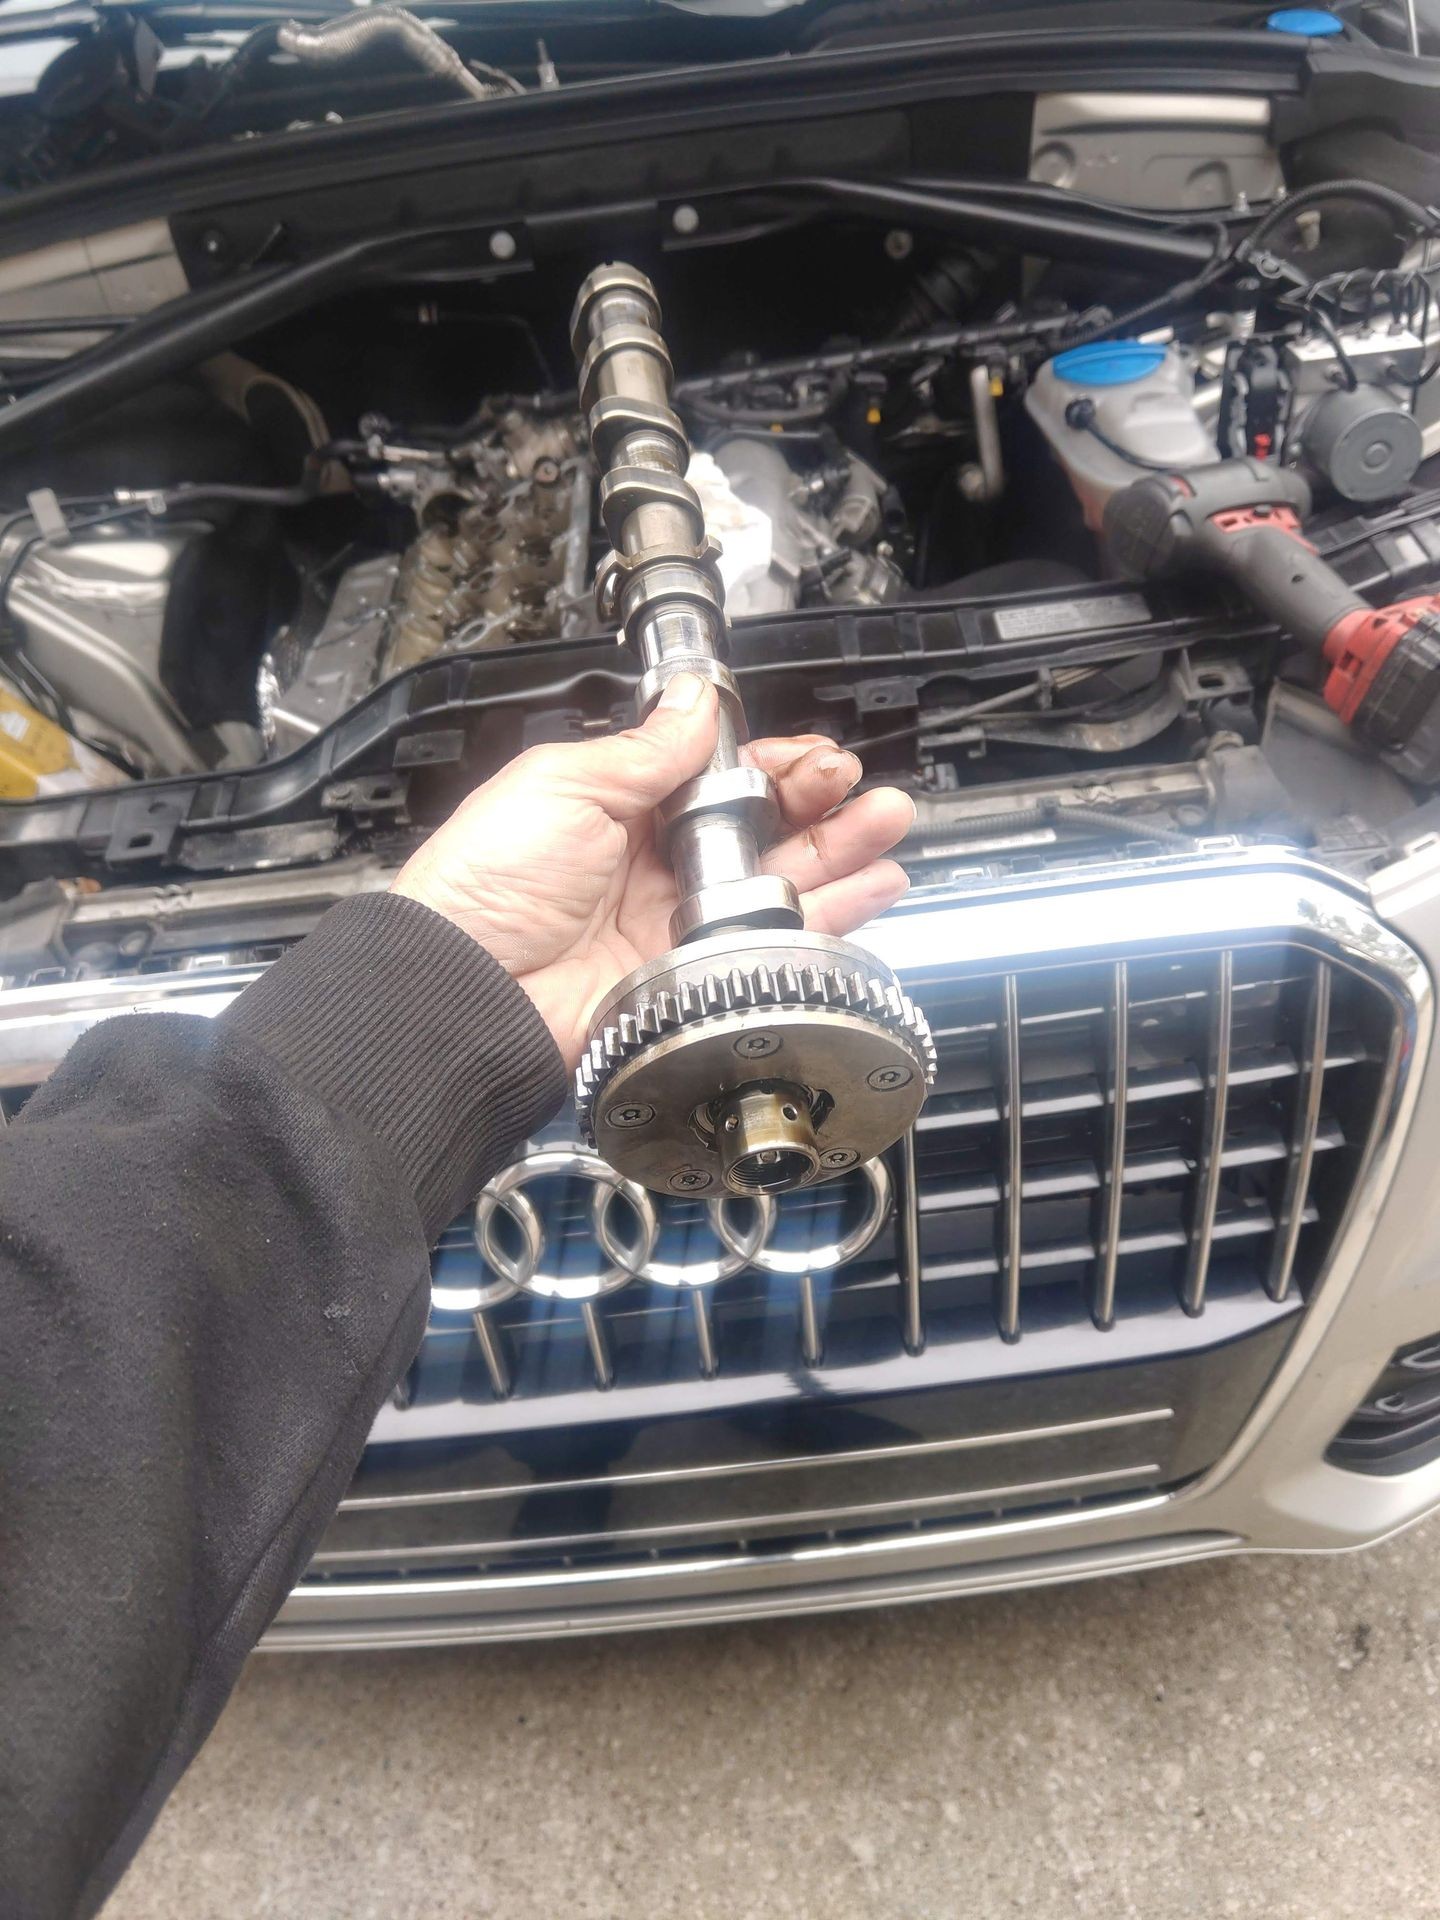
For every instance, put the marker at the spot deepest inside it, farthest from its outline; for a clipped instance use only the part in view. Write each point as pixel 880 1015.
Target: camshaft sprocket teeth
pixel 747 987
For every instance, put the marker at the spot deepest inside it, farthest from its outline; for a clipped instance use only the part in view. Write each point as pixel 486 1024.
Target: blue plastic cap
pixel 1311 22
pixel 1108 363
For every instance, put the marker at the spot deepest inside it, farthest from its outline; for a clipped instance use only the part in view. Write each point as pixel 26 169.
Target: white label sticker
pixel 1071 616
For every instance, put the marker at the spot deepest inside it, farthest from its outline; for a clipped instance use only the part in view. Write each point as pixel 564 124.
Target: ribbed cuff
pixel 390 1013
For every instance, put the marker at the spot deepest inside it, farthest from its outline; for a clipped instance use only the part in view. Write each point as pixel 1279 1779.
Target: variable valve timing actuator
pixel 754 1057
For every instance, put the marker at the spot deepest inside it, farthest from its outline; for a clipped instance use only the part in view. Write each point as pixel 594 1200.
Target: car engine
pixel 343 567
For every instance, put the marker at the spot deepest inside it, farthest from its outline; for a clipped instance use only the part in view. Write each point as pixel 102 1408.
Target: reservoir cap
pixel 1108 363
pixel 1313 23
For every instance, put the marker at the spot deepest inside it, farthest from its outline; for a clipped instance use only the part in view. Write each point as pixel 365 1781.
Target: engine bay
pixel 282 606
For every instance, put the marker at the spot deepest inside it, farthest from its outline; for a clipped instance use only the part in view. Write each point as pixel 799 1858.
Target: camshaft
pixel 754 1055
pixel 662 581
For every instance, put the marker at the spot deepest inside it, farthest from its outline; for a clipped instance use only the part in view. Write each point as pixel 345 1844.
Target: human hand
pixel 552 865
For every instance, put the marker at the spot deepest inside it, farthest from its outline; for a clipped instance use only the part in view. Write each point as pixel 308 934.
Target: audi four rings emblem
pixel 625 1248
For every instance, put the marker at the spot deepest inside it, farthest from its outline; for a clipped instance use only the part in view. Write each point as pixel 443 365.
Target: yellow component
pixel 872 416
pixel 32 748
pixel 997 387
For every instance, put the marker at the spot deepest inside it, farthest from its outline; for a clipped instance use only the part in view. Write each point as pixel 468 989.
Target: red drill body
pixel 1242 519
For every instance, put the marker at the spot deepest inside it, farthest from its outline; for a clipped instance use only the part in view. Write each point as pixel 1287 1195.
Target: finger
pixel 860 832
pixel 780 750
pixel 810 780
pixel 630 772
pixel 842 905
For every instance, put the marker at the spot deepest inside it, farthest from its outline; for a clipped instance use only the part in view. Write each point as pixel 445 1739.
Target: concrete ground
pixel 1252 1737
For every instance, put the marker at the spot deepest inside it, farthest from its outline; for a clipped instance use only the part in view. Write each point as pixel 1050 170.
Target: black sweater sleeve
pixel 213 1268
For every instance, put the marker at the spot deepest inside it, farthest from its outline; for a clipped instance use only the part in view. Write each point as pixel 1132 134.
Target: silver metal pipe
pixel 348 35
pixel 991 461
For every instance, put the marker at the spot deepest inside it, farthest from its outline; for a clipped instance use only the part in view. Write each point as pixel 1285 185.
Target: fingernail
pixel 683 694
pixel 845 765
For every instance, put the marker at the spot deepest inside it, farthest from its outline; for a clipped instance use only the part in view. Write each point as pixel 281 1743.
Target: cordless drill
pixel 1241 519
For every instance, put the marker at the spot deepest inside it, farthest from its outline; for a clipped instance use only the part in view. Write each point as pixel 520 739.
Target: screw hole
pixel 789 1113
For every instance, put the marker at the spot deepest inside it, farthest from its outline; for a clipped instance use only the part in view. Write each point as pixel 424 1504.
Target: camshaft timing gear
pixel 754 1055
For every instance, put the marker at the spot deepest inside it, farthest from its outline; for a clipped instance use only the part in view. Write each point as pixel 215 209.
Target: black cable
pixel 252 52
pixel 1040 193
pixel 1322 320
pixel 1055 815
pixel 1426 219
pixel 1080 416
pixel 998 704
pixel 174 499
pixel 1173 296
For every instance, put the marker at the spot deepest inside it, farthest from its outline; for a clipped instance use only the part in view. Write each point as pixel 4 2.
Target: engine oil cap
pixel 1108 363
pixel 1313 23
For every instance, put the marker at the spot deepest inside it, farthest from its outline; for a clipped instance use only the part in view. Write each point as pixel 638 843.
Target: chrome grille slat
pixel 1097 1005
pixel 1212 1134
pixel 1304 1137
pixel 811 1350
pixel 1252 1149
pixel 779 1463
pixel 1252 1067
pixel 1082 1252
pixel 876 1511
pixel 908 1207
pixel 598 1343
pixel 1007 1301
pixel 492 1351
pixel 1110 1188
pixel 704 1334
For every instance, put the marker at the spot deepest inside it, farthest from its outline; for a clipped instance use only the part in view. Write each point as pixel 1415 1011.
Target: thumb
pixel 631 772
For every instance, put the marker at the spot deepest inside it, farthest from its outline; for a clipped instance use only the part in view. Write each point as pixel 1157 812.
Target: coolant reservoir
pixel 1142 396
pixel 39 758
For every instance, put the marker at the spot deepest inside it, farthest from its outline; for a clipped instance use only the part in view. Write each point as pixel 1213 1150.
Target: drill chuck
pixel 1384 681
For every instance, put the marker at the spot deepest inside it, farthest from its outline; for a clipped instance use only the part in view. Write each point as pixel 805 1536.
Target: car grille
pixel 1096 1135
pixel 1160 1093
pixel 1126 1184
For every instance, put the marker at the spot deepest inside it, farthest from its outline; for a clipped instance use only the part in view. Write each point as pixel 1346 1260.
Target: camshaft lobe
pixel 662 582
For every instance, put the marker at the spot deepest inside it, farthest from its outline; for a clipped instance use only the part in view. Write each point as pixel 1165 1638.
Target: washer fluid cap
pixel 1108 363
pixel 1313 23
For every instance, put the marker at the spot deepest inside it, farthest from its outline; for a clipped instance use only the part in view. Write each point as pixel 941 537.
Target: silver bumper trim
pixel 298 1633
